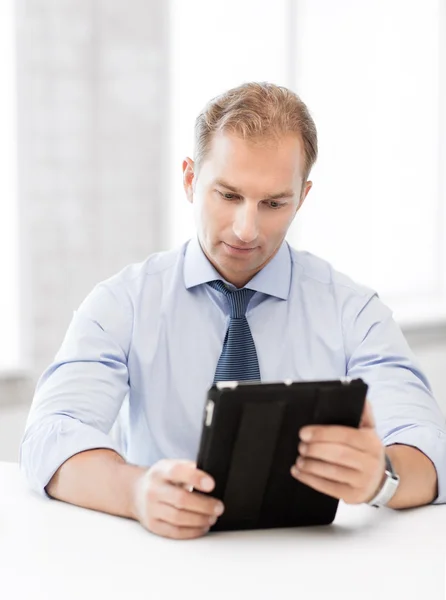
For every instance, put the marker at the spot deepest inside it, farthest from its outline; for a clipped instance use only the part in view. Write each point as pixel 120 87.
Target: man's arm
pixel 408 418
pixel 157 497
pixel 99 480
pixel 80 394
pixel 418 477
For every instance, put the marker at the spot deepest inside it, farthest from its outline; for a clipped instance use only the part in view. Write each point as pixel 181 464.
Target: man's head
pixel 254 148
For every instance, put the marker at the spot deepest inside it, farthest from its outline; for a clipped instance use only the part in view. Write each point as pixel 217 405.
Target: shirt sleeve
pixel 79 396
pixel 404 408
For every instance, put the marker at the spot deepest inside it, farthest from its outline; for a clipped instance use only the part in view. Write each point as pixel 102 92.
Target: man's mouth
pixel 245 249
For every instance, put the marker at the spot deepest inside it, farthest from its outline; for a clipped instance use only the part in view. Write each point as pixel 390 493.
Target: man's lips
pixel 240 248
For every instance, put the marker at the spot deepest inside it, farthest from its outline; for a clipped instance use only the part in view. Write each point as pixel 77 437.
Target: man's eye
pixel 274 204
pixel 228 196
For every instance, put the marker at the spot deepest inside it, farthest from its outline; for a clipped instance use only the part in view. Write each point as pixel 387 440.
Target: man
pixel 162 331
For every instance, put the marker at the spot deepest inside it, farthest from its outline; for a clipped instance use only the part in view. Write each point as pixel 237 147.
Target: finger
pixel 361 439
pixel 175 532
pixel 183 518
pixel 338 454
pixel 331 488
pixel 367 418
pixel 330 471
pixel 182 499
pixel 185 472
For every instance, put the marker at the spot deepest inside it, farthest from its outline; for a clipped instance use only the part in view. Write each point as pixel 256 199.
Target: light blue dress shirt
pixel 153 334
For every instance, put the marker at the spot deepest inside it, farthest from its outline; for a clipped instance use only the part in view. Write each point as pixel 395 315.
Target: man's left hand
pixel 343 462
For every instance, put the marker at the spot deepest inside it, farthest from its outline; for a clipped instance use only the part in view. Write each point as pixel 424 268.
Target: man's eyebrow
pixel 223 183
pixel 285 194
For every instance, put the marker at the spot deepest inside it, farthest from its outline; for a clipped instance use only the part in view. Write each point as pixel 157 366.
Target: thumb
pixel 367 419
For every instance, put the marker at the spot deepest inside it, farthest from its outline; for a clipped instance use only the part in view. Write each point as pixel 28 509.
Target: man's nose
pixel 245 225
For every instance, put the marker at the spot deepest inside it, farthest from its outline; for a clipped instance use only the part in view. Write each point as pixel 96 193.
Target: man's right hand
pixel 163 504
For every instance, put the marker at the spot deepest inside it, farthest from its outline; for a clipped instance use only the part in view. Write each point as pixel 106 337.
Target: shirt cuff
pixel 432 443
pixel 45 448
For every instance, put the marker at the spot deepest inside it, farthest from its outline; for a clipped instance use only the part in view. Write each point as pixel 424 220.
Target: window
pixel 371 72
pixel 9 271
pixel 373 77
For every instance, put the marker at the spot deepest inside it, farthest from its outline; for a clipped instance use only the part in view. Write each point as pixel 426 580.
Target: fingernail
pixel 213 520
pixel 300 463
pixel 294 471
pixel 207 484
pixel 305 435
pixel 218 510
pixel 303 448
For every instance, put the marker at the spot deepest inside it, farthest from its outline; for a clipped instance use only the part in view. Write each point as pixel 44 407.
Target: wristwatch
pixel 388 488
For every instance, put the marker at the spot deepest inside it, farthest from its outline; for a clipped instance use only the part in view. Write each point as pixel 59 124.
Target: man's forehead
pixel 230 149
pixel 276 165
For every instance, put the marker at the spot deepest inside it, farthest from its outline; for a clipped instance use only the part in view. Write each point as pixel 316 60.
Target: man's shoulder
pixel 152 267
pixel 322 273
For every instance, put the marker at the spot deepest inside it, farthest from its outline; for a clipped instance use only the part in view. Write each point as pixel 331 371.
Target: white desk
pixel 51 550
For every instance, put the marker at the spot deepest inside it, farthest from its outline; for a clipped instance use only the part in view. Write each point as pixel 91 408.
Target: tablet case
pixel 249 442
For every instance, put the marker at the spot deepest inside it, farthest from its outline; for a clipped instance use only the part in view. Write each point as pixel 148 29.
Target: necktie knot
pixel 238 299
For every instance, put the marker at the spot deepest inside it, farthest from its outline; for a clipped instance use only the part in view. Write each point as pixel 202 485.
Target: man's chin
pixel 229 265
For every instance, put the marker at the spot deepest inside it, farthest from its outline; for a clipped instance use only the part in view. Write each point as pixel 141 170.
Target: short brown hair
pixel 254 111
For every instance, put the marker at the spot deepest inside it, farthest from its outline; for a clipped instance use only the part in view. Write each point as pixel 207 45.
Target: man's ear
pixel 188 178
pixel 307 187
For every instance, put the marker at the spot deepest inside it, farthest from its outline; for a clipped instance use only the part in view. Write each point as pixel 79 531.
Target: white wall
pixel 92 145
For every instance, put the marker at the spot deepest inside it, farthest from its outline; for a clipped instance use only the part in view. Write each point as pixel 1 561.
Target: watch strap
pixel 388 488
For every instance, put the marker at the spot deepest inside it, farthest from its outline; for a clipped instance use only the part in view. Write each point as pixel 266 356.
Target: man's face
pixel 245 197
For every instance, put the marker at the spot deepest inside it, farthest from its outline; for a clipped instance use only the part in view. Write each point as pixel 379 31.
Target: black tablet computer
pixel 249 442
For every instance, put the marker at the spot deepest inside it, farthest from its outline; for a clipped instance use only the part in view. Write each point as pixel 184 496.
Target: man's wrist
pixel 132 477
pixel 388 486
pixel 379 488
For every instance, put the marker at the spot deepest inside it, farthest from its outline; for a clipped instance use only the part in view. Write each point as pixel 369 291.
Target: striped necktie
pixel 238 360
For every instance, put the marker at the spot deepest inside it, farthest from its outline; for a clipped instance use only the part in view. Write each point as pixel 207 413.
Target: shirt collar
pixel 274 279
